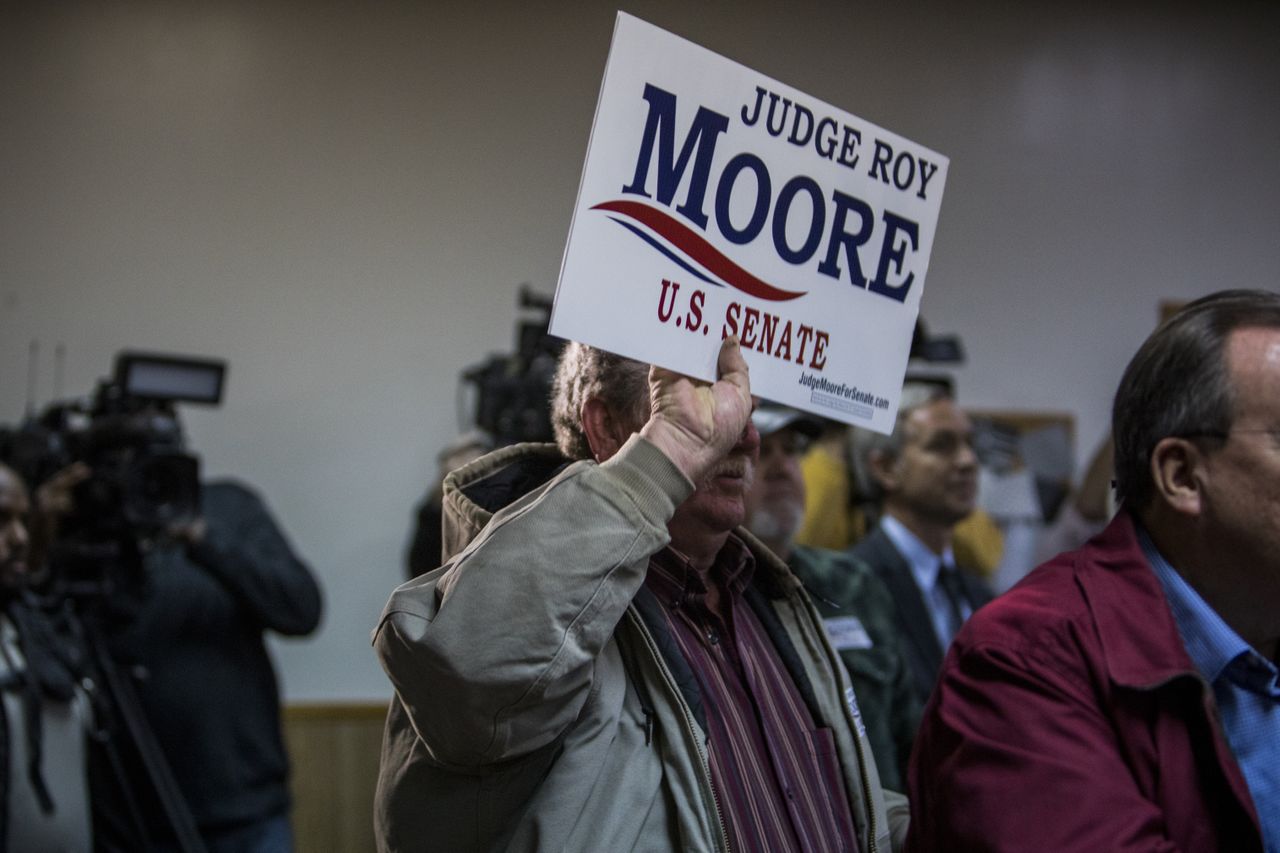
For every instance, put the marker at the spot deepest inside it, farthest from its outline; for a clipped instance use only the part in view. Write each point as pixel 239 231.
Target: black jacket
pixel 210 693
pixel 919 640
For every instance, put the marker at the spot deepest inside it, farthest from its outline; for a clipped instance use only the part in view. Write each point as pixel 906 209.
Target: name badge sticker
pixel 848 632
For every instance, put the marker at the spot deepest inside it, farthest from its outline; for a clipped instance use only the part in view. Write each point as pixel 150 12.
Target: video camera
pixel 143 482
pixel 514 391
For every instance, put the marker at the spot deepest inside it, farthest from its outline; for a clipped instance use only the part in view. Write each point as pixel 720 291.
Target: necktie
pixel 953 590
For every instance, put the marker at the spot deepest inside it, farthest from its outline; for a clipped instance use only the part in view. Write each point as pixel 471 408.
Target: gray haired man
pixel 607 662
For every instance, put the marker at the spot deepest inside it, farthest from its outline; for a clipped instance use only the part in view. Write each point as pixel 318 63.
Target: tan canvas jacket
pixel 533 707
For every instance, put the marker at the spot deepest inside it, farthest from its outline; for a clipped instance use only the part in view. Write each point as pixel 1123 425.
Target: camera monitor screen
pixel 165 377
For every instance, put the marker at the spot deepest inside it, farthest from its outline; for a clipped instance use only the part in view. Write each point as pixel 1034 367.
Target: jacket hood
pixel 477 490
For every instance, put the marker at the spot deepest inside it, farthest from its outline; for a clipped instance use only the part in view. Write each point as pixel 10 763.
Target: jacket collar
pixel 477 490
pixel 1140 640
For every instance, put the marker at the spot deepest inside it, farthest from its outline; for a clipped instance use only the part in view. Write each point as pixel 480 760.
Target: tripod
pixel 128 775
pixel 139 775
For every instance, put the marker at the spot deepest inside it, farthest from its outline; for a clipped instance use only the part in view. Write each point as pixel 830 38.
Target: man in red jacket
pixel 1125 696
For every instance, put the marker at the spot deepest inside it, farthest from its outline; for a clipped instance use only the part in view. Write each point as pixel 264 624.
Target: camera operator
pixel 210 690
pixel 44 716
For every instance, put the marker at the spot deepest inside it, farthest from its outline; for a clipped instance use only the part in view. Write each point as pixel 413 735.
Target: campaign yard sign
pixel 716 201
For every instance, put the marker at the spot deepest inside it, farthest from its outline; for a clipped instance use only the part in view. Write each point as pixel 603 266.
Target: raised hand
pixel 55 500
pixel 54 497
pixel 694 422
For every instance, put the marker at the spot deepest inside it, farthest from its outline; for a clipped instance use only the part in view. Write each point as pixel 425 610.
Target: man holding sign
pixel 608 662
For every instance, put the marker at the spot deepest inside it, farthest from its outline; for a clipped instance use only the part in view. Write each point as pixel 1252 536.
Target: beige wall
pixel 341 198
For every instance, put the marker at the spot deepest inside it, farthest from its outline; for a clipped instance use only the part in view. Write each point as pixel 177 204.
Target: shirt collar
pixel 672 578
pixel 924 563
pixel 1210 642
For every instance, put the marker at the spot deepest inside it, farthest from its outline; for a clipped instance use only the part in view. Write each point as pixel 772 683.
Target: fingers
pixel 697 422
pixel 730 359
pixel 75 473
pixel 190 532
pixel 54 495
pixel 731 367
pixel 70 475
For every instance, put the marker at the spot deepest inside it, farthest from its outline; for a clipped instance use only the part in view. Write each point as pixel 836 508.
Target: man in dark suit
pixel 925 476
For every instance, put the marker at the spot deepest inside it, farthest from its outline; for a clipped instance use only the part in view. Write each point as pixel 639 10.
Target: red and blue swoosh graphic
pixel 686 247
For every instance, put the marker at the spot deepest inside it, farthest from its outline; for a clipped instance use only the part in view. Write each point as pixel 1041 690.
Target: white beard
pixel 776 524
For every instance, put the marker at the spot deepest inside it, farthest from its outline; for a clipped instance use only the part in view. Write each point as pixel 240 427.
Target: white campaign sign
pixel 716 201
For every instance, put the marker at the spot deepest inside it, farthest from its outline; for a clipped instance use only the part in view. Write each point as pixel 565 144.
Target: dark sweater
pixel 211 695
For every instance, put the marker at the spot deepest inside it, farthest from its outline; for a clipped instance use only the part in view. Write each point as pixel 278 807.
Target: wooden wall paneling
pixel 334 751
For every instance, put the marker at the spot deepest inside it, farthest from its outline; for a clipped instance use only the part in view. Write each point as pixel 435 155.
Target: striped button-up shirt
pixel 775 773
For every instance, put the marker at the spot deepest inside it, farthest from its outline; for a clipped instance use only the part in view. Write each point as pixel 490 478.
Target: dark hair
pixel 1177 384
pixel 584 372
pixel 863 443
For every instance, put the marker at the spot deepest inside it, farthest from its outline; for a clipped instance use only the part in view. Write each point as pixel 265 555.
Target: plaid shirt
pixel 775 773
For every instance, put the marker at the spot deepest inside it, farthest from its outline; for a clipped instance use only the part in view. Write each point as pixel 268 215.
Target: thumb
pixel 731 367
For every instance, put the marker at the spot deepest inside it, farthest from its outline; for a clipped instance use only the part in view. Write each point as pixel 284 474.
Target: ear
pixel 605 433
pixel 884 470
pixel 1175 475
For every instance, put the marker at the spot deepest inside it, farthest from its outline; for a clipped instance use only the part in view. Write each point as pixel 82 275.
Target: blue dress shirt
pixel 925 569
pixel 1245 684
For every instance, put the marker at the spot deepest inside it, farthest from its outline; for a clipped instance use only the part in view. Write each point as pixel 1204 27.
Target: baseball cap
pixel 771 417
